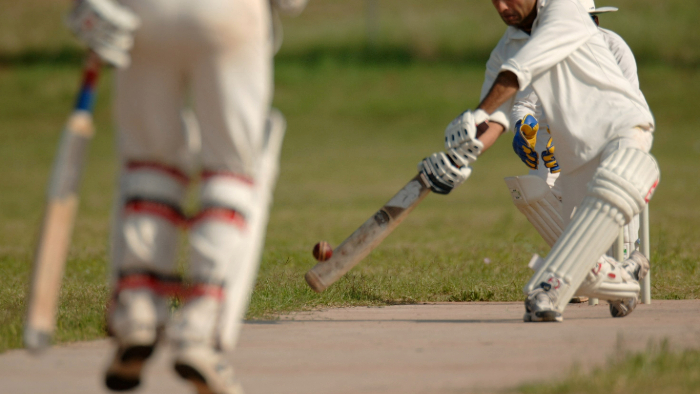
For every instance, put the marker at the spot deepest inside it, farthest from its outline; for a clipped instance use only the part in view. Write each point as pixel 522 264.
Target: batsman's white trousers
pixel 215 55
pixel 216 52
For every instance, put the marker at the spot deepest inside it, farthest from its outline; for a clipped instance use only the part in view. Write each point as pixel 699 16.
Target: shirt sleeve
pixel 502 114
pixel 525 103
pixel 562 27
pixel 624 56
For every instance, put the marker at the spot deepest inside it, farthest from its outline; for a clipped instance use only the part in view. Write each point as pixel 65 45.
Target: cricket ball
pixel 323 251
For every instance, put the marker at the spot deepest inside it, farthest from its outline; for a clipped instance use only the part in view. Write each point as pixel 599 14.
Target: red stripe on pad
pixel 145 281
pixel 651 191
pixel 221 214
pixel 155 209
pixel 170 171
pixel 169 288
pixel 204 290
pixel 207 175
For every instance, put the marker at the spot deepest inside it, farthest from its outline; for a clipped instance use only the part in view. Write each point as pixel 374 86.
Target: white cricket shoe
pixel 134 322
pixel 637 266
pixel 207 369
pixel 124 373
pixel 539 306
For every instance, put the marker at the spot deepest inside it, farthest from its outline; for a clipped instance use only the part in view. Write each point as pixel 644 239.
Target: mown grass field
pixel 658 369
pixel 360 118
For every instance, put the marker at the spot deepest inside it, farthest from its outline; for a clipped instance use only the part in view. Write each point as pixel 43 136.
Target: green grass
pixel 360 118
pixel 654 371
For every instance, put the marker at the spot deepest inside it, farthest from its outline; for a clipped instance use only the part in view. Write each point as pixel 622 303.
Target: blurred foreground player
pixel 218 54
pixel 602 130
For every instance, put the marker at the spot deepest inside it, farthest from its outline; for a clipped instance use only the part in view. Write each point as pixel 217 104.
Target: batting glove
pixel 106 27
pixel 460 137
pixel 442 173
pixel 524 140
pixel 548 157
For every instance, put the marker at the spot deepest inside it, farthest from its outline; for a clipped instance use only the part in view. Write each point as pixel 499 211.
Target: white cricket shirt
pixel 587 99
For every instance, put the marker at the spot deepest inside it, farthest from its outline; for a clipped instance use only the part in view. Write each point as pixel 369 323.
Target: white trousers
pixel 215 56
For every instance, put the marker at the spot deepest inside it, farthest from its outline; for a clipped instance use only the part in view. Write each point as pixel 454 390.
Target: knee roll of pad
pixel 154 182
pixel 229 191
pixel 626 180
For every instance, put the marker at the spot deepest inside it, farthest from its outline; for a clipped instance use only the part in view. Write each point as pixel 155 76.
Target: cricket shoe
pixel 124 373
pixel 134 321
pixel 539 306
pixel 206 369
pixel 637 266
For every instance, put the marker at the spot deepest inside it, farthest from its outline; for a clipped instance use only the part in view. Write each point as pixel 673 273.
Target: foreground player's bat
pixel 59 215
pixel 358 245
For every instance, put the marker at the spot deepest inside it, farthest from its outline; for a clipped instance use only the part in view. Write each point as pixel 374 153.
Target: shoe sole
pixel 543 316
pixel 134 354
pixel 191 374
pixel 619 309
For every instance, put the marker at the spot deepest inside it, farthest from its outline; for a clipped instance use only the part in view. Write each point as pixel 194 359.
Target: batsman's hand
pixel 525 139
pixel 106 27
pixel 548 157
pixel 442 173
pixel 460 137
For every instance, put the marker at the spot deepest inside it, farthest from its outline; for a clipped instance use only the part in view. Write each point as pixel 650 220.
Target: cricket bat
pixel 358 245
pixel 59 214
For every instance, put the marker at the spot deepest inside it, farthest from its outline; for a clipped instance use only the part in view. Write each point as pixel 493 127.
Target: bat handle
pixel 88 85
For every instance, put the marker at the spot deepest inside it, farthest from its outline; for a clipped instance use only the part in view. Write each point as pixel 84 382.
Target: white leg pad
pixel 238 294
pixel 619 190
pixel 147 218
pixel 534 198
pixel 226 252
pixel 608 280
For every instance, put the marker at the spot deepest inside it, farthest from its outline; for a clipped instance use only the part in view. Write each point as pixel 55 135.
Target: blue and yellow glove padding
pixel 548 157
pixel 524 140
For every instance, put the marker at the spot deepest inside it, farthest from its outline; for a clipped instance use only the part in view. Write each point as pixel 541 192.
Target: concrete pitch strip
pixel 425 348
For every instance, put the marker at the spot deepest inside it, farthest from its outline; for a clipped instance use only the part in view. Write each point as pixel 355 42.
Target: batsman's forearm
pixel 490 134
pixel 504 87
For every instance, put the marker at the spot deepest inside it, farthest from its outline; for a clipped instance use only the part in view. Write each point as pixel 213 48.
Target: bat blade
pixel 59 216
pixel 368 236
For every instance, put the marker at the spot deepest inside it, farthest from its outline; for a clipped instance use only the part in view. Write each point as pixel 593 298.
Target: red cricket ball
pixel 323 251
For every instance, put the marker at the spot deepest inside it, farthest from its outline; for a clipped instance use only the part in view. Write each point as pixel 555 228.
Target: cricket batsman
pixel 537 150
pixel 540 199
pixel 216 55
pixel 601 127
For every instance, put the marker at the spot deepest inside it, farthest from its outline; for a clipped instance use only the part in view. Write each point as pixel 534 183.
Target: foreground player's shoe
pixel 207 370
pixel 540 306
pixel 124 373
pixel 134 322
